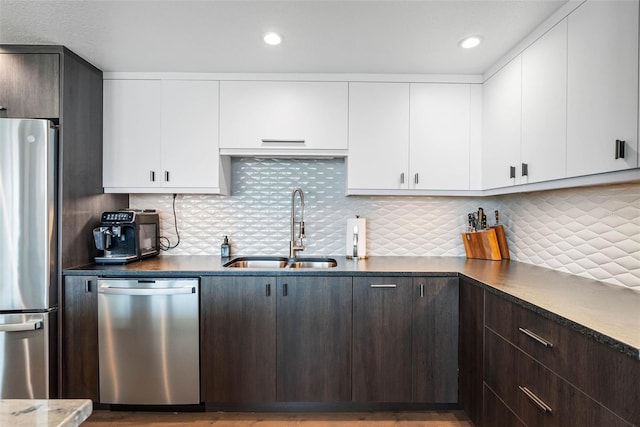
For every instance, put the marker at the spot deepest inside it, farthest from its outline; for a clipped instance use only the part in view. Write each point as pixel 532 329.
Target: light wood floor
pixel 233 419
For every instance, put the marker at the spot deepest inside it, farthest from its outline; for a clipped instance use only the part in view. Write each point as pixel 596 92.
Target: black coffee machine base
pixel 115 260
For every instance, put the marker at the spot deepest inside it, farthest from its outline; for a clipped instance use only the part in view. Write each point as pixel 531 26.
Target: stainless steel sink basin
pixel 280 262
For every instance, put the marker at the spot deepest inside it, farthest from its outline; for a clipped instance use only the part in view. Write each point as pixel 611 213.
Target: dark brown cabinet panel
pixel 314 339
pixel 435 340
pixel 577 358
pixel 470 350
pixel 30 85
pixel 382 333
pixel 238 339
pixel 496 413
pixel 79 363
pixel 535 394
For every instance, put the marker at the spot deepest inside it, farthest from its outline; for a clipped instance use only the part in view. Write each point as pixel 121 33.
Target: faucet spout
pixel 295 244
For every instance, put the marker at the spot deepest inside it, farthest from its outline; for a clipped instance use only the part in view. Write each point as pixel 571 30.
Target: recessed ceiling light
pixel 272 39
pixel 469 42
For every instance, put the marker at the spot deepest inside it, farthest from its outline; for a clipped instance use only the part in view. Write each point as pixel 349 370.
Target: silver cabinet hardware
pixel 282 141
pixel 166 176
pixel 421 290
pixel 152 176
pixel 384 285
pixel 402 178
pixel 536 400
pixel 268 289
pixel 512 171
pixel 525 169
pixel 536 337
pixel 415 178
pixel 285 290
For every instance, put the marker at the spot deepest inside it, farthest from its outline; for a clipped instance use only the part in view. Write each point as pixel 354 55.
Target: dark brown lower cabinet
pixel 496 413
pixel 79 356
pixel 470 350
pixel 405 339
pixel 314 339
pixel 238 339
pixel 382 320
pixel 535 394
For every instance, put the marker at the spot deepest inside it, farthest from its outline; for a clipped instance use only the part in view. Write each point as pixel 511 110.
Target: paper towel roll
pixel 356 226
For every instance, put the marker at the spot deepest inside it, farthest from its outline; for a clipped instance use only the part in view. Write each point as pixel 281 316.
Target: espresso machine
pixel 127 235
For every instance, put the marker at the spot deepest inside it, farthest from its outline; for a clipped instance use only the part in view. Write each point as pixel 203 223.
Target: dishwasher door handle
pixel 117 290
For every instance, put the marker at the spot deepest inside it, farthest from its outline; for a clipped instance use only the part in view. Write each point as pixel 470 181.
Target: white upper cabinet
pixel 501 126
pixel 409 136
pixel 544 107
pixel 439 136
pixel 378 136
pixel 602 87
pixel 283 117
pixel 161 136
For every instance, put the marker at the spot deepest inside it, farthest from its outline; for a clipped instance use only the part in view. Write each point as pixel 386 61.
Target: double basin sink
pixel 280 262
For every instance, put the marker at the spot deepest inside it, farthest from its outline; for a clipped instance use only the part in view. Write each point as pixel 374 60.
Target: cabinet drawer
pixel 604 374
pixel 535 394
pixel 496 413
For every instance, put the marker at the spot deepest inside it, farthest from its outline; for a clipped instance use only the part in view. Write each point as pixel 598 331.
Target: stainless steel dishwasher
pixel 148 341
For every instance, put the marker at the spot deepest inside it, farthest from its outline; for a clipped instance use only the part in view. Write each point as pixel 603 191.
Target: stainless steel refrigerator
pixel 28 275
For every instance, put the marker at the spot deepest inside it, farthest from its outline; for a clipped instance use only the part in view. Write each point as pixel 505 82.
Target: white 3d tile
pixel 593 232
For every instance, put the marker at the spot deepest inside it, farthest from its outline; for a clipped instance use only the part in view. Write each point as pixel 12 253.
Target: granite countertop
pixel 44 413
pixel 608 313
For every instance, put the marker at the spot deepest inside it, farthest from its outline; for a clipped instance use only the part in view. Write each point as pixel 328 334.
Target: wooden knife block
pixel 486 244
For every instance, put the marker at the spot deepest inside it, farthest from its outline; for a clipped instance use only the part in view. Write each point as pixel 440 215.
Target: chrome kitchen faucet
pixel 295 244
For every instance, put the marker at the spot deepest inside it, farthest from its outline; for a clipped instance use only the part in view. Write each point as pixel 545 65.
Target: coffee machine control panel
pixel 125 216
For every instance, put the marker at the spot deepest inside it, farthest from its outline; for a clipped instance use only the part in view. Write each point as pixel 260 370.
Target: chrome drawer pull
pixel 282 141
pixel 536 337
pixel 535 399
pixel 389 285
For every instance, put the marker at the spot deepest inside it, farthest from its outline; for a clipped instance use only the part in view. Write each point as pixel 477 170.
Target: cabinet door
pixel 501 117
pixel 314 339
pixel 602 102
pixel 378 136
pixel 30 85
pixel 382 319
pixel 190 133
pixel 132 144
pixel 238 339
pixel 439 136
pixel 470 350
pixel 544 107
pixel 283 115
pixel 79 364
pixel 435 339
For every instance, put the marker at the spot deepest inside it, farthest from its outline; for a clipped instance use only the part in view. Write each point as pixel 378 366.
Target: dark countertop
pixel 608 313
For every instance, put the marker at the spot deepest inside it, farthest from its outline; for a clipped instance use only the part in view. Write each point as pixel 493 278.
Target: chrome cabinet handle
pixel 525 169
pixel 536 337
pixel 512 171
pixel 421 290
pixel 115 290
pixel 402 178
pixel 21 327
pixel 166 176
pixel 384 285
pixel 268 289
pixel 536 400
pixel 415 179
pixel 285 290
pixel 152 176
pixel 282 141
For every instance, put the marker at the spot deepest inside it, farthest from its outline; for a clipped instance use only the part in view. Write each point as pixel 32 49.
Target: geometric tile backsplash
pixel 592 232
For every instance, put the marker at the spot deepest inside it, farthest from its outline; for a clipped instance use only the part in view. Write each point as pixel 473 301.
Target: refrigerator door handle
pixel 115 290
pixel 21 327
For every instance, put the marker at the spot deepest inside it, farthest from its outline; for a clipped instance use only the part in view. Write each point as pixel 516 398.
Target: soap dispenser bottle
pixel 225 248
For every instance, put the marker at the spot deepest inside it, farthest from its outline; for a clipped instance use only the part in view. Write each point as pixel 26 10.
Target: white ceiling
pixel 353 36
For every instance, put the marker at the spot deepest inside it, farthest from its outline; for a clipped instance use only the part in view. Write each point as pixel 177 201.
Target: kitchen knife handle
pixel 620 149
pixel 512 171
pixel 402 178
pixel 525 169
